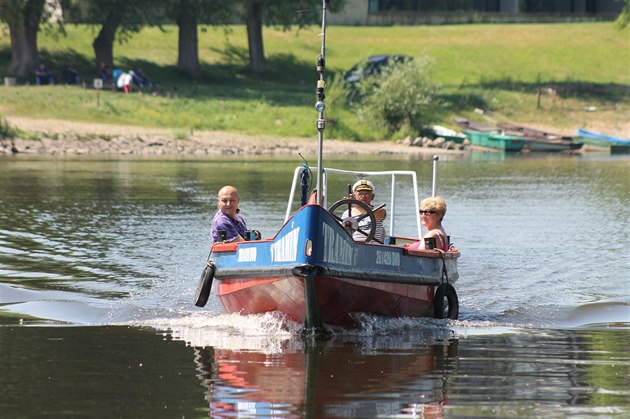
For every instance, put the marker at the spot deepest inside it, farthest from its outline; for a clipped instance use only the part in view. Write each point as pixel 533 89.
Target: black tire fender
pixel 205 285
pixel 445 303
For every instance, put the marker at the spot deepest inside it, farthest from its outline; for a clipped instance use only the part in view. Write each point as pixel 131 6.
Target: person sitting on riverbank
pixel 43 76
pixel 140 79
pixel 124 81
pixel 432 211
pixel 70 75
pixel 227 221
pixel 104 73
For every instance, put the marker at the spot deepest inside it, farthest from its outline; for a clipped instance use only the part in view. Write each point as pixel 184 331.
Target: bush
pixel 7 132
pixel 401 100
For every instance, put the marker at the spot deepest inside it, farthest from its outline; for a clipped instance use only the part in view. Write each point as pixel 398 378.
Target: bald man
pixel 227 218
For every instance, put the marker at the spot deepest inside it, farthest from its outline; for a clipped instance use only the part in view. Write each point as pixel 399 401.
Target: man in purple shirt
pixel 227 218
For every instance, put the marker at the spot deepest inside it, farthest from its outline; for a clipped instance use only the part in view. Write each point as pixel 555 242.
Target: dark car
pixel 373 66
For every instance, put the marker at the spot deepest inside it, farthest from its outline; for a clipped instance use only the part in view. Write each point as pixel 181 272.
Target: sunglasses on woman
pixel 427 212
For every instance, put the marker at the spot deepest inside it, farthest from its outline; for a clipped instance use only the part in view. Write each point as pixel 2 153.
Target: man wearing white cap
pixel 363 190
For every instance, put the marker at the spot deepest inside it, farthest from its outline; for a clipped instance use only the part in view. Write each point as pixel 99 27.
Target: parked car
pixel 373 65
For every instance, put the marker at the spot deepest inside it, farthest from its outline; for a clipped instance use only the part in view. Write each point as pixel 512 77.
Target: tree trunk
pixel 23 26
pixel 103 44
pixel 188 44
pixel 254 35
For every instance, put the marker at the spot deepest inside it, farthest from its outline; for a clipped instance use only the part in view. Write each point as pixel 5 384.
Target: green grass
pixel 498 68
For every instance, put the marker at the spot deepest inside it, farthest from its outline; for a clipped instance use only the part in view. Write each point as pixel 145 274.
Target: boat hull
pixel 493 139
pixel 603 138
pixel 538 140
pixel 337 298
pixel 313 269
pixel 551 145
pixel 617 145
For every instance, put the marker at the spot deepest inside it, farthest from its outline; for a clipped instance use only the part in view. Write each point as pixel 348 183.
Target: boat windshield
pixel 395 188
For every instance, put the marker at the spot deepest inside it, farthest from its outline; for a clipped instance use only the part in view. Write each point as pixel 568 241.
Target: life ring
pixel 205 284
pixel 445 303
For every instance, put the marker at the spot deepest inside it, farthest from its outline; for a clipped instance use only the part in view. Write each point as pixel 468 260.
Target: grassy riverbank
pixel 560 76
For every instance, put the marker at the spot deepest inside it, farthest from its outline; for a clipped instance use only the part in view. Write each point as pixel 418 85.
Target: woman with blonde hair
pixel 432 211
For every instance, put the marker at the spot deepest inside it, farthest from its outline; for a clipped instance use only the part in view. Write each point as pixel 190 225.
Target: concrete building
pixel 418 12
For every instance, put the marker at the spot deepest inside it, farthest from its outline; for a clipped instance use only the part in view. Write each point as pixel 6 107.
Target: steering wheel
pixel 351 223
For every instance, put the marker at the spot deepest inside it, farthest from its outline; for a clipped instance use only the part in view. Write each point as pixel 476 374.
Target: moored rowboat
pixel 490 137
pixel 537 140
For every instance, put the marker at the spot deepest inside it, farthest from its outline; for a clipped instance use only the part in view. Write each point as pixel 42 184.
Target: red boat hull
pixel 337 298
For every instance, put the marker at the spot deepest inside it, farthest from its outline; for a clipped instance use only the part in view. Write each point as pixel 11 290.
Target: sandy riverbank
pixel 71 138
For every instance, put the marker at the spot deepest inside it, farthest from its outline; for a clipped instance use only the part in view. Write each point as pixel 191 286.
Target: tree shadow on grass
pixel 588 91
pixel 286 81
pixel 283 83
pixel 281 68
pixel 55 63
pixel 459 102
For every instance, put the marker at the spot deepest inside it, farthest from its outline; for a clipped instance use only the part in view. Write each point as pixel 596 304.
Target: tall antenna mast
pixel 320 106
pixel 434 182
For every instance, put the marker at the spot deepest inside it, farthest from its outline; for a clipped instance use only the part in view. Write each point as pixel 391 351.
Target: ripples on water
pixel 540 237
pixel 545 249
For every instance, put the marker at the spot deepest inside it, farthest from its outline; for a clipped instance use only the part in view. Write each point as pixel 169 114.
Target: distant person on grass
pixel 125 82
pixel 70 75
pixel 104 73
pixel 140 79
pixel 43 76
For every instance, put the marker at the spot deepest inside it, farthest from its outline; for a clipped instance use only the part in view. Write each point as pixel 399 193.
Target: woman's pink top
pixel 418 245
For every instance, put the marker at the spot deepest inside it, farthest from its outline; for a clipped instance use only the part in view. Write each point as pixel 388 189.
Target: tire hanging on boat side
pixel 440 311
pixel 205 285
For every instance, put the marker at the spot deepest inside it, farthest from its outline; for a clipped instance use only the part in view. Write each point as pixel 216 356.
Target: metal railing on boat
pixel 393 174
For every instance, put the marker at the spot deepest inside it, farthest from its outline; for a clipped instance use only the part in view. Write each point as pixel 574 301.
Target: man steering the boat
pixel 227 224
pixel 363 190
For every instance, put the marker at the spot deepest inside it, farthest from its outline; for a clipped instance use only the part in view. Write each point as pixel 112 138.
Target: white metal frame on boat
pixel 393 174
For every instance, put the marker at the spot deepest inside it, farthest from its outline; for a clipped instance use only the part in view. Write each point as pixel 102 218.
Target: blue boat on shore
pixel 596 136
pixel 617 145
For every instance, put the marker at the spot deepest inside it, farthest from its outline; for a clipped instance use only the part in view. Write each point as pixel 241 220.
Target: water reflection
pixel 323 380
pixel 223 367
pixel 544 374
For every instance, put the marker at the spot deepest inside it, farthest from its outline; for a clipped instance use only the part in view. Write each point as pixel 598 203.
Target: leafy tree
pixel 188 41
pixel 189 13
pixel 278 12
pixel 118 20
pixel 253 21
pixel 23 18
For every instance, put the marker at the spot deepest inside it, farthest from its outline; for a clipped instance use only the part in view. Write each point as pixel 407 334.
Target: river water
pixel 99 261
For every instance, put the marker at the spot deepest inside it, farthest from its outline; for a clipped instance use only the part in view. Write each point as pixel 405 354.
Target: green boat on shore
pixel 494 139
pixel 490 137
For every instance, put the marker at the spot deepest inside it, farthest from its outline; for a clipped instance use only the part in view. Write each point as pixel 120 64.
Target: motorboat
pixel 314 271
